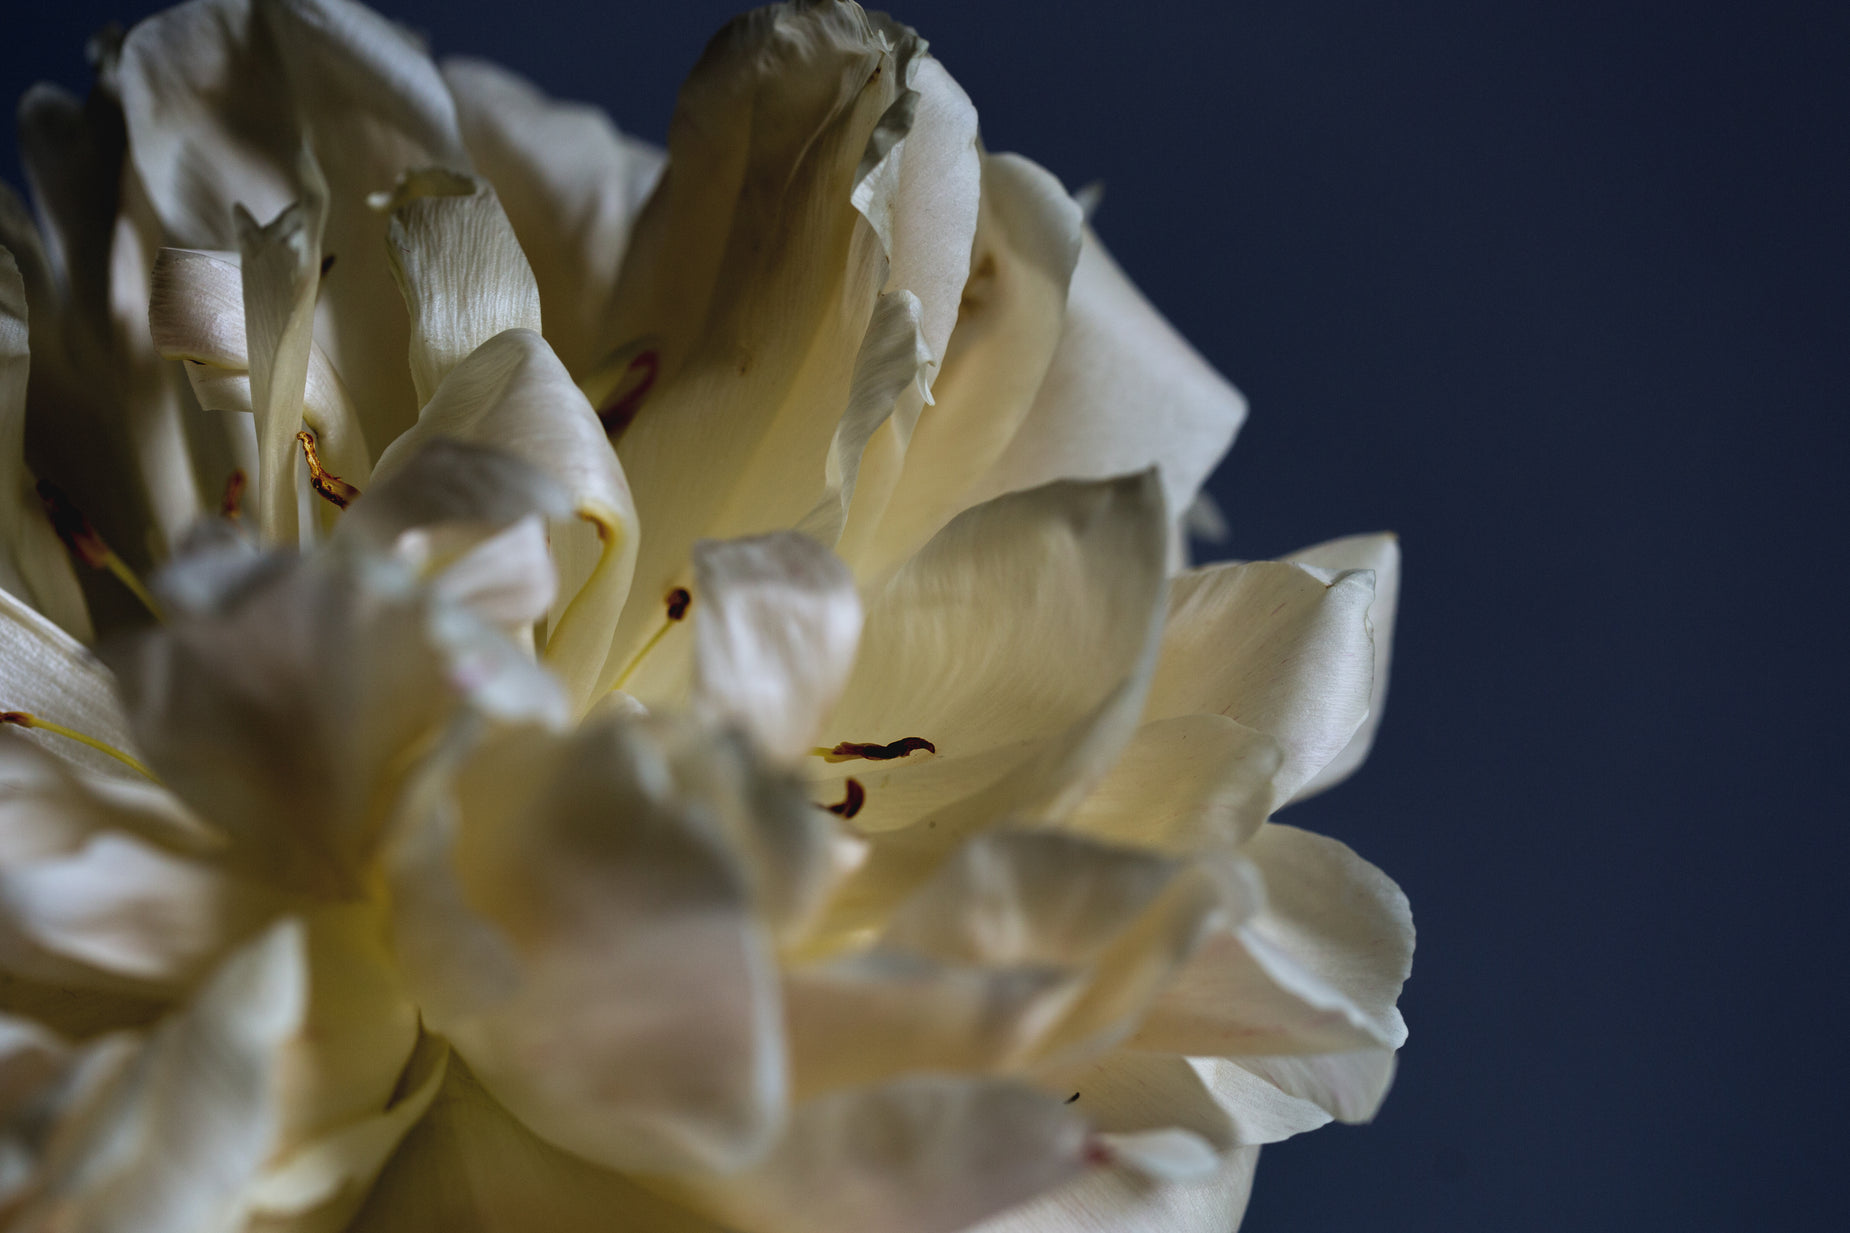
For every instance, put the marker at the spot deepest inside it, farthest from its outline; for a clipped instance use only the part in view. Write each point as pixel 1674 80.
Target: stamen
pixel 24 719
pixel 1072 1098
pixel 677 602
pixel 327 263
pixel 850 804
pixel 638 379
pixel 849 750
pixel 232 506
pixel 331 487
pixel 89 547
pixel 1098 1153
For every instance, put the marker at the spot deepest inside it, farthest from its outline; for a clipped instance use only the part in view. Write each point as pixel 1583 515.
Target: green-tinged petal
pixel 221 94
pixel 460 269
pixel 776 622
pixel 173 1142
pixel 1184 784
pixel 1381 554
pixel 469 1167
pixel 33 563
pixel 572 186
pixel 1283 649
pixel 1008 322
pixel 1318 970
pixel 922 1155
pixel 50 675
pixel 561 877
pixel 1124 391
pixel 512 394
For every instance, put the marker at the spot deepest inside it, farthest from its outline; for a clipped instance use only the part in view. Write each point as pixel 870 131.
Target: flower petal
pixel 595 870
pixel 459 268
pixel 572 186
pixel 1317 971
pixel 512 394
pixel 923 1155
pixel 33 563
pixel 1380 553
pixel 776 623
pixel 1283 649
pixel 1116 352
pixel 1184 784
pixel 50 675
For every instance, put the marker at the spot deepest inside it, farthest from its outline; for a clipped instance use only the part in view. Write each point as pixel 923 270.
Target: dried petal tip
pixel 850 804
pixel 331 487
pixel 849 750
pixel 73 528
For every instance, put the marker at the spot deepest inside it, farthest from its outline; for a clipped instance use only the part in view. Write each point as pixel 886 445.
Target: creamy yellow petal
pixel 572 186
pixel 49 674
pixel 1380 554
pixel 1184 784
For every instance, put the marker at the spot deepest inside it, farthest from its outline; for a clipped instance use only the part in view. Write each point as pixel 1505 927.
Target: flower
pixel 674 701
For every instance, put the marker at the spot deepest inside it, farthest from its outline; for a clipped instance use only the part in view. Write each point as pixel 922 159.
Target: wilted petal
pixel 177 1137
pixel 776 623
pixel 572 186
pixel 923 1155
pixel 1381 554
pixel 460 269
pixel 582 871
pixel 1008 322
pixel 512 394
pixel 1124 391
pixel 469 1167
pixel 50 675
pixel 1283 649
pixel 1318 970
pixel 33 563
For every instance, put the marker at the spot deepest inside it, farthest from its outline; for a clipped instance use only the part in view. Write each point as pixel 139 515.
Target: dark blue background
pixel 1560 292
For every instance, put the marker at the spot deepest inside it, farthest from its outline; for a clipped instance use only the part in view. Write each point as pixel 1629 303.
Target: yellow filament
pixel 629 669
pixel 120 568
pixel 24 719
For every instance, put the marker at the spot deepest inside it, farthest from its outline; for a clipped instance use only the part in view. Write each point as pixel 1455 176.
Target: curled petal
pixel 1381 555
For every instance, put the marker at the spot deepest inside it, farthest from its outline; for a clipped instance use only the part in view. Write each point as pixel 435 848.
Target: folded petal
pixel 575 923
pixel 1283 649
pixel 1123 392
pixel 33 563
pixel 512 394
pixel 1380 554
pixel 572 186
pixel 1318 970
pixel 923 1155
pixel 776 624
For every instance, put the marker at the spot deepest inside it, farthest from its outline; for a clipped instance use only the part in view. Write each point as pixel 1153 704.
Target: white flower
pixel 692 723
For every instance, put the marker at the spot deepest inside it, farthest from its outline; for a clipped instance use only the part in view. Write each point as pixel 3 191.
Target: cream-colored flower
pixel 691 723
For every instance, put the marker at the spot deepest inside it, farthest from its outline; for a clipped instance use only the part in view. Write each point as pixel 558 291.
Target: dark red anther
pixel 73 528
pixel 678 601
pixel 232 506
pixel 638 380
pixel 850 804
pixel 849 750
pixel 327 263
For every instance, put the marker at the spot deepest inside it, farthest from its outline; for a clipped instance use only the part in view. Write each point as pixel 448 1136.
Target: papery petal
pixel 583 871
pixel 1283 649
pixel 469 1167
pixel 1008 322
pixel 1183 784
pixel 1318 970
pixel 572 186
pixel 179 1134
pixel 1348 1086
pixel 1380 554
pixel 50 675
pixel 923 1155
pixel 1124 391
pixel 33 563
pixel 512 394
pixel 776 623
pixel 460 269
pixel 221 94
